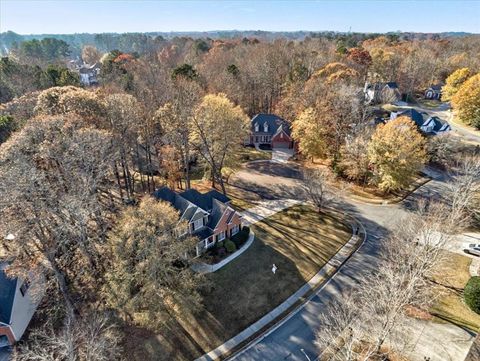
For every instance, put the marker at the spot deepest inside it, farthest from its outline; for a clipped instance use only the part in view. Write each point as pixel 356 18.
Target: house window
pixel 235 229
pixel 256 127
pixel 198 224
pixel 24 287
pixel 221 236
pixel 265 127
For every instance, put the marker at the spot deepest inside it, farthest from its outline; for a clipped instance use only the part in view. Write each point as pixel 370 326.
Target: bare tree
pixel 316 186
pixel 361 326
pixel 92 338
pixel 53 197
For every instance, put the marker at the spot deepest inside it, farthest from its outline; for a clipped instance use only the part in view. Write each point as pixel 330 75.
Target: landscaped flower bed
pixel 224 248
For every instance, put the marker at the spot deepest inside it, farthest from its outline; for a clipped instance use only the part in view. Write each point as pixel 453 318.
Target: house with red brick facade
pixel 270 130
pixel 209 216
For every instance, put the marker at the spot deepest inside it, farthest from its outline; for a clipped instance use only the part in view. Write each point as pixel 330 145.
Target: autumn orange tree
pixel 466 102
pixel 454 82
pixel 397 152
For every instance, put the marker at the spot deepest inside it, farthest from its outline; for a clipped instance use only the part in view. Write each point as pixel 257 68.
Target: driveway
pixel 295 338
pixel 266 209
pixel 281 155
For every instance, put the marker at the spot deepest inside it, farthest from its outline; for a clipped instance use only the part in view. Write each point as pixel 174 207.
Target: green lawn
pixel 248 154
pixel 298 240
pixel 450 307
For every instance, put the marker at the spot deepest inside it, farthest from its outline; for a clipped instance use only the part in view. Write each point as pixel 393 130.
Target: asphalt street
pixel 294 339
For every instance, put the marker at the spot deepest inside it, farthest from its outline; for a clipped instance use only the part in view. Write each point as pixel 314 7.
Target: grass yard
pixel 248 154
pixel 429 103
pixel 450 307
pixel 298 240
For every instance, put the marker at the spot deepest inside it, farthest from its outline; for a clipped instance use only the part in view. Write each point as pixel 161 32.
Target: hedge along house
pixel 209 216
pixel 17 306
pixel 270 130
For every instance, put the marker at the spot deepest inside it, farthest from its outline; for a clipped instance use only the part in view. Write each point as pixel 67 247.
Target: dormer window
pixel 265 127
pixel 256 127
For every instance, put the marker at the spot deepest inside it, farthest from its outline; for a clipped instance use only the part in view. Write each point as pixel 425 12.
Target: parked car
pixel 472 248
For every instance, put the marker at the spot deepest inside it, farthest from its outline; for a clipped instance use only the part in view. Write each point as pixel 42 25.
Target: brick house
pixel 209 216
pixel 270 130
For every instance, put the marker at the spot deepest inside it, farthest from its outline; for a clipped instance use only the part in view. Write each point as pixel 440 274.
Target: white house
pixel 17 306
pixel 433 125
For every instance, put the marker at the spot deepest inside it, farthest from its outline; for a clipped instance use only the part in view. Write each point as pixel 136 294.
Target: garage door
pixel 281 145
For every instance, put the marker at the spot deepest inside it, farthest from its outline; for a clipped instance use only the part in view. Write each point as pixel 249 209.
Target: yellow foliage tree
pixel 466 102
pixel 309 134
pixel 397 151
pixel 454 82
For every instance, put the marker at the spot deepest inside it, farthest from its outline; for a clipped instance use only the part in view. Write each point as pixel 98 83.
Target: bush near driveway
pixel 230 246
pixel 471 294
pixel 241 237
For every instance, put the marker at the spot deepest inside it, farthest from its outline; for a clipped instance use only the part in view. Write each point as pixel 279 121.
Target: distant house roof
pixel 8 286
pixel 436 87
pixel 274 122
pixel 381 85
pixel 413 115
pixel 439 125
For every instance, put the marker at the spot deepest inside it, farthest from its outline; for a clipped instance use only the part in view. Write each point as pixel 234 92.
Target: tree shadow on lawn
pixel 269 191
pixel 311 238
pixel 244 291
pixel 286 170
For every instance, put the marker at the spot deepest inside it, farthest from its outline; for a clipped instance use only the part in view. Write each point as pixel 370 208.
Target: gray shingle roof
pixel 8 287
pixel 166 194
pixel 414 115
pixel 273 121
pixel 204 200
pixel 218 208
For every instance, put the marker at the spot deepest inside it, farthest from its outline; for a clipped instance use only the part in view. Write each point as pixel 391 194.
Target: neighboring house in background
pixel 379 93
pixel 434 92
pixel 209 216
pixel 271 130
pixel 17 306
pixel 89 74
pixel 432 125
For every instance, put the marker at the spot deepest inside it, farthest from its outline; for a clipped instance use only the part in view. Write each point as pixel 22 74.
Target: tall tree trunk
pixel 117 175
pixel 62 284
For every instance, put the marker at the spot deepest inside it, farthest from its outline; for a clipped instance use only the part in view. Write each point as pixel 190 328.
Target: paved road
pixel 297 333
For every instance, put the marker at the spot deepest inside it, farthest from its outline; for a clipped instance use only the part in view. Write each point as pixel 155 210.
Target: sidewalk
pixel 322 275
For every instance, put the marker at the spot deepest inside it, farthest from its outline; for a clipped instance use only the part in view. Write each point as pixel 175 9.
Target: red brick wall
pixel 222 225
pixel 5 330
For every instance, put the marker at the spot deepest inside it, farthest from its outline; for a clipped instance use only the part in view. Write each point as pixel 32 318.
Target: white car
pixel 472 248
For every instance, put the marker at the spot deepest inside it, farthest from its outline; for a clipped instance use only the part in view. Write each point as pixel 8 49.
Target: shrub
pixel 230 246
pixel 221 252
pixel 241 237
pixel 219 244
pixel 471 294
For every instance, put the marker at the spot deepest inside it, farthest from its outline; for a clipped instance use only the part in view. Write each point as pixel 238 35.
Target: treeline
pixel 129 42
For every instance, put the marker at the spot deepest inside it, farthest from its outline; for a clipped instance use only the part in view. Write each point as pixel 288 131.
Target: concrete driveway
pixel 295 338
pixel 281 155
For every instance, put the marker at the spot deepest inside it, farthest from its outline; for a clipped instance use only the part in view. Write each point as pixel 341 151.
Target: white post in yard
pixel 274 268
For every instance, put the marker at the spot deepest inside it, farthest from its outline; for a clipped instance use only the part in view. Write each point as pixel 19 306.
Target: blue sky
pixel 75 16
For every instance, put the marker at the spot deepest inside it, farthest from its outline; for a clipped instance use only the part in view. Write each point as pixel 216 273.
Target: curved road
pixel 294 339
